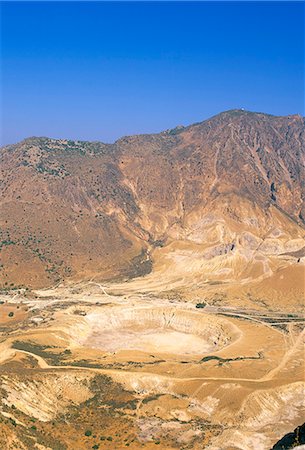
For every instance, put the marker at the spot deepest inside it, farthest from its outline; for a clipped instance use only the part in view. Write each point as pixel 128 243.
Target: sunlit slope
pixel 218 200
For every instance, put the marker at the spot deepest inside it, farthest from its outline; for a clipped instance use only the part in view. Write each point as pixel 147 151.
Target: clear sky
pixel 100 70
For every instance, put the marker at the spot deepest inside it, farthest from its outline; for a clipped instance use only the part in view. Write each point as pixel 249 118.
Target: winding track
pixel 269 376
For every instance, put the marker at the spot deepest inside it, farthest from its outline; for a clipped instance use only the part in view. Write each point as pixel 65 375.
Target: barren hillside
pixel 224 198
pixel 167 289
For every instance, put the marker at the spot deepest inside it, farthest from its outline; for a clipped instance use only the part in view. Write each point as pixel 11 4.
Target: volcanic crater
pixel 157 330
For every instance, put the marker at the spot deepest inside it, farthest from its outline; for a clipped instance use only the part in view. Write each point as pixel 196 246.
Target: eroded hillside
pixel 152 290
pixel 223 197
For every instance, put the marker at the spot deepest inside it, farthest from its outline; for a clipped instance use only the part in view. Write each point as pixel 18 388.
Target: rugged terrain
pixel 232 186
pixel 152 290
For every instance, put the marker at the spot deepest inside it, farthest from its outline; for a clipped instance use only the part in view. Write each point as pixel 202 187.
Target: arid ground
pixel 115 366
pixel 152 291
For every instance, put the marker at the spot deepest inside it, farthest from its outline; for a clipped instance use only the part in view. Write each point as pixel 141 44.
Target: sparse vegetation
pixel 201 305
pixel 201 212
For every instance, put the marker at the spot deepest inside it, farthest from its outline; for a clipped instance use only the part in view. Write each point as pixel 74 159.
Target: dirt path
pixel 270 375
pixel 44 365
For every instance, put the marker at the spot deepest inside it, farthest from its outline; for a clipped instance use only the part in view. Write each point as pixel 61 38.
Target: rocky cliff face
pixel 220 200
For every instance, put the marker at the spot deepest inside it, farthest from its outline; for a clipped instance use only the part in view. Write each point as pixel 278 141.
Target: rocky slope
pixel 221 200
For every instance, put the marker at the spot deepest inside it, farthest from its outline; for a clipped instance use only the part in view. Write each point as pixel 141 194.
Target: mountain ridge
pixel 166 131
pixel 81 209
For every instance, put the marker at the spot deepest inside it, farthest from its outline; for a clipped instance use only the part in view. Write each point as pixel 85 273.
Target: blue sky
pixel 100 70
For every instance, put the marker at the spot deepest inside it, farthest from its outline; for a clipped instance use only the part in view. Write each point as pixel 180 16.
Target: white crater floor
pixel 156 330
pixel 150 340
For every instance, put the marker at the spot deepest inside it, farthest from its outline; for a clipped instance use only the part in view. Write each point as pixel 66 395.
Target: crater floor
pixel 149 340
pixel 156 330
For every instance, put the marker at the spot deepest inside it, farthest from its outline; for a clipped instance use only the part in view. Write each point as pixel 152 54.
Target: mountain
pixel 214 202
pixel 152 290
